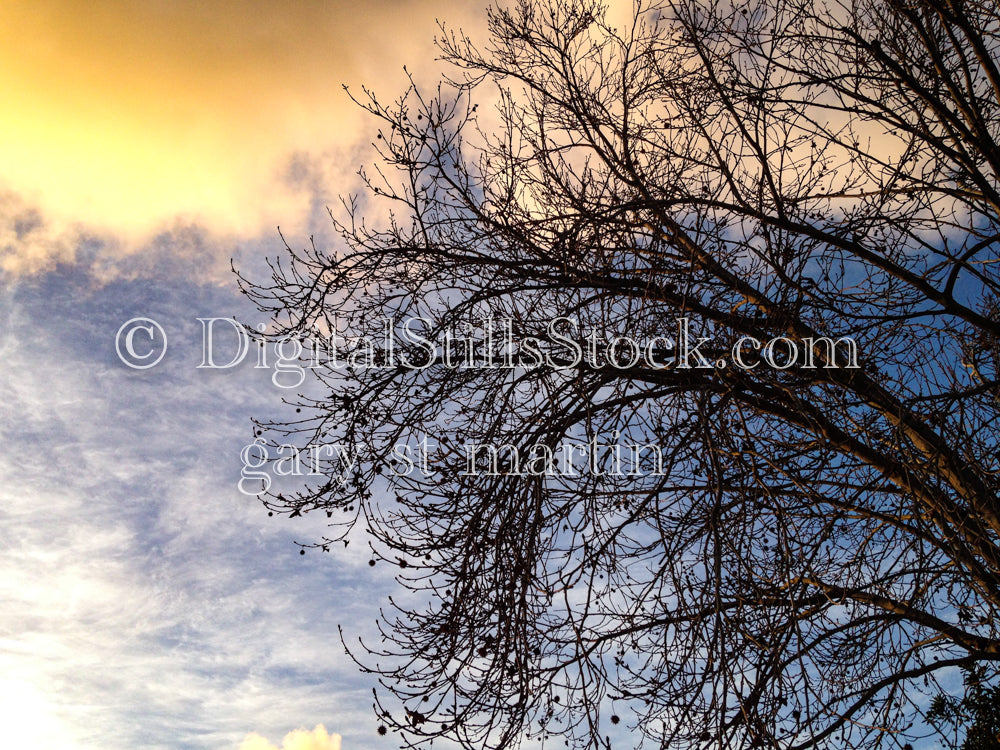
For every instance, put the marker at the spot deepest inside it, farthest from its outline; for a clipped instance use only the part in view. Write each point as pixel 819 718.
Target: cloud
pixel 149 604
pixel 127 119
pixel 300 739
pixel 29 243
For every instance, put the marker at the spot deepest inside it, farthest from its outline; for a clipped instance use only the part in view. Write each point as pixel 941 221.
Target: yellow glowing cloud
pixel 300 739
pixel 128 117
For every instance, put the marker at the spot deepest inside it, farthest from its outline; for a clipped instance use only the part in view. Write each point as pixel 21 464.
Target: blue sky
pixel 147 603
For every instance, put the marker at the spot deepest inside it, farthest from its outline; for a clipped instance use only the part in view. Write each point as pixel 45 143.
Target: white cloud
pixel 147 603
pixel 300 739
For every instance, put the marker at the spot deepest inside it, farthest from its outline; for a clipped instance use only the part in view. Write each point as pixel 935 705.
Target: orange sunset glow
pixel 127 117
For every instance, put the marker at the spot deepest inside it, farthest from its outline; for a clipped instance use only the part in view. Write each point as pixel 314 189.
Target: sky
pixel 146 602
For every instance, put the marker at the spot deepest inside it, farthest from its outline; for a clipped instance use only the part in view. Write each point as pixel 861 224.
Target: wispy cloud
pixel 147 603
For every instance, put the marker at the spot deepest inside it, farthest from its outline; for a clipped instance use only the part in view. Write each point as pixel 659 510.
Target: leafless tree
pixel 741 541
